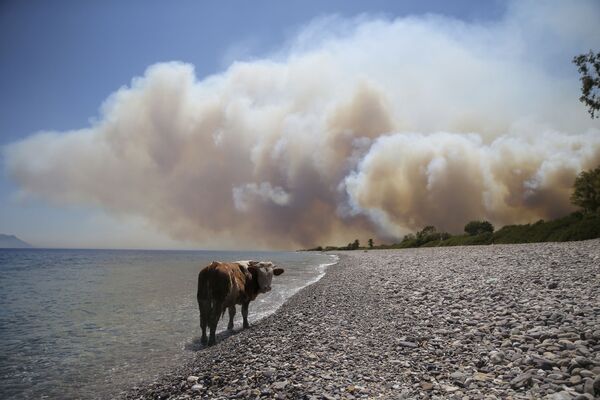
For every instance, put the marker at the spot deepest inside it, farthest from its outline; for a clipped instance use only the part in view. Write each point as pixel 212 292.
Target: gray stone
pixel 458 378
pixel 584 396
pixel 407 344
pixel 280 385
pixel 596 386
pixel 496 357
pixel 557 376
pixel 450 388
pixel 564 395
pixel 582 361
pixel 481 377
pixel 586 373
pixel 588 386
pixel 197 387
pixel 543 363
pixel 522 380
pixel 567 344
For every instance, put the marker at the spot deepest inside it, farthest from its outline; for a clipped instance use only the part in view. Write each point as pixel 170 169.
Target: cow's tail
pixel 204 294
pixel 203 287
pixel 207 296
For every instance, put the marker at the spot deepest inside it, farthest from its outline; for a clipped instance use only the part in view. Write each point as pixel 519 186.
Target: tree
pixel 355 244
pixel 478 227
pixel 427 234
pixel 588 66
pixel 410 236
pixel 370 243
pixel 429 230
pixel 586 193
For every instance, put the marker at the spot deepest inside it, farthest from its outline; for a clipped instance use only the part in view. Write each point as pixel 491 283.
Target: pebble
pixel 482 322
pixel 407 344
pixel 496 357
pixel 521 380
pixel 280 385
pixel 197 388
pixel 560 396
pixel 595 387
pixel 543 363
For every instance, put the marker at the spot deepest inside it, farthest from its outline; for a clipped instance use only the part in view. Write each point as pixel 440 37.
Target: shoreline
pixel 222 334
pixel 495 321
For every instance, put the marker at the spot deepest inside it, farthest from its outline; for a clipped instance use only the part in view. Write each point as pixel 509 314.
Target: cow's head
pixel 264 271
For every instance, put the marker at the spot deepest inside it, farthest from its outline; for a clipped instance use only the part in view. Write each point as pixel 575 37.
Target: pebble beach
pixel 482 322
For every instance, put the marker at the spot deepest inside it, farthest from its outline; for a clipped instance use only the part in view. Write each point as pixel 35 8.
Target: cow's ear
pixel 253 270
pixel 253 263
pixel 278 271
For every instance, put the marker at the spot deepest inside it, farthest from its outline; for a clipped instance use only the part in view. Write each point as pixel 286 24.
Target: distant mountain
pixel 12 242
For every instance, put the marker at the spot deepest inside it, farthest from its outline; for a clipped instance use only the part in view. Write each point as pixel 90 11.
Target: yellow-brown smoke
pixel 370 131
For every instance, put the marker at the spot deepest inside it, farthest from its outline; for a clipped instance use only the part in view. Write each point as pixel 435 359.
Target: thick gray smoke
pixel 363 128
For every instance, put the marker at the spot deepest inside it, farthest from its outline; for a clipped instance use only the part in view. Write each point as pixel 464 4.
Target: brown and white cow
pixel 223 285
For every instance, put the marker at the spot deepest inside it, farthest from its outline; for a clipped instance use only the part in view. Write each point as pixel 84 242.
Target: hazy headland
pixel 12 242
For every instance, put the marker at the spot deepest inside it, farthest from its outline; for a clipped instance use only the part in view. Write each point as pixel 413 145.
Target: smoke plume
pixel 360 128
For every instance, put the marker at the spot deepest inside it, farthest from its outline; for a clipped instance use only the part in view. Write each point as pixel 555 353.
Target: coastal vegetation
pixel 580 225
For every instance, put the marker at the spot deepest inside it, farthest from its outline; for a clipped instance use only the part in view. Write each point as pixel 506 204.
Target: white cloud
pixel 244 195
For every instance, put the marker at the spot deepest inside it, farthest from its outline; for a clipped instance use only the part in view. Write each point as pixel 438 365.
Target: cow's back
pixel 221 282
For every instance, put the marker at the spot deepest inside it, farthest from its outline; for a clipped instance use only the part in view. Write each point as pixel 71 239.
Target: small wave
pixel 322 269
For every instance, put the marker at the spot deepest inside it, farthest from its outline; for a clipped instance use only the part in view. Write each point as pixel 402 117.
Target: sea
pixel 87 324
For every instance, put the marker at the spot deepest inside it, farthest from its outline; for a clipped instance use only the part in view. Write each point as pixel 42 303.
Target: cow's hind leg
pixel 231 315
pixel 245 314
pixel 215 314
pixel 204 316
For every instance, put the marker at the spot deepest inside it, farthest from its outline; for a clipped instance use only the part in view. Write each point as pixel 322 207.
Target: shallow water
pixel 91 323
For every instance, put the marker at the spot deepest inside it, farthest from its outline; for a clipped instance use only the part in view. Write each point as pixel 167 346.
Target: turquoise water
pixel 91 323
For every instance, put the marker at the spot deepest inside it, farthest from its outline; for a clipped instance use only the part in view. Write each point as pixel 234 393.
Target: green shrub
pixel 468 240
pixel 478 227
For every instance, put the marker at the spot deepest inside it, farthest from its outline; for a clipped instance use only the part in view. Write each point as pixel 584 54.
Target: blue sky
pixel 62 59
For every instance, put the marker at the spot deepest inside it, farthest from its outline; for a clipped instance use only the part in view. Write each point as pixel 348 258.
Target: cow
pixel 222 285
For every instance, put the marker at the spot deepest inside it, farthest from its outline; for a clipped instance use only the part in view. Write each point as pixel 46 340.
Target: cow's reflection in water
pixel 223 285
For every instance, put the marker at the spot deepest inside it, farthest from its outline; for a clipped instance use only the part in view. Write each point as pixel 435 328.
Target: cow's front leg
pixel 245 314
pixel 231 315
pixel 214 320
